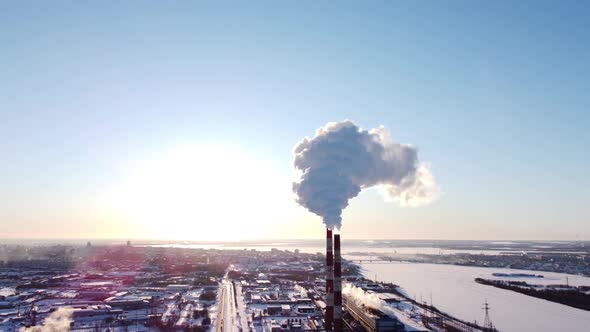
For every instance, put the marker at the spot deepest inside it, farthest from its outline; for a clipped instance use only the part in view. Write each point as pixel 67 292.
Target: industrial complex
pixel 129 288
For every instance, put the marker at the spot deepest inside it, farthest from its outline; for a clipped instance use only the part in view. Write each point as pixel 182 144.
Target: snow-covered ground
pixel 454 290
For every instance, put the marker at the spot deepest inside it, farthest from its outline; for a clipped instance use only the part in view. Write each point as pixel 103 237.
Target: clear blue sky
pixel 494 93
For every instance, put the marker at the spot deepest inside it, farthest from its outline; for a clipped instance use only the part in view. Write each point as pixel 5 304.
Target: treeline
pixel 572 297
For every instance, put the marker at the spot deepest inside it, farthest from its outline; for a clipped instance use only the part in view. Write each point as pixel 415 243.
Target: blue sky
pixel 493 93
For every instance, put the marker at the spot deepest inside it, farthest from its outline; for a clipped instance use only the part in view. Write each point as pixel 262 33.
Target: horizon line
pixel 140 240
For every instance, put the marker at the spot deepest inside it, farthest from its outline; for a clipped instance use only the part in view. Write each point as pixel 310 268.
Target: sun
pixel 202 192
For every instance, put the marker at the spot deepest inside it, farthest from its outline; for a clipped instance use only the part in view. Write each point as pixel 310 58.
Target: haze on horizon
pixel 178 121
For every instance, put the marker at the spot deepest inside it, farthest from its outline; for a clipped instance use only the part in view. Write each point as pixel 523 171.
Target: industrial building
pixel 370 319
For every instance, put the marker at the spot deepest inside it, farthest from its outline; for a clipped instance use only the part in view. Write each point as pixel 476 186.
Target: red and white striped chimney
pixel 337 285
pixel 329 316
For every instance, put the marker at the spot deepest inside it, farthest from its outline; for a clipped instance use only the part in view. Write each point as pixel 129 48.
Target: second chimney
pixel 337 285
pixel 329 316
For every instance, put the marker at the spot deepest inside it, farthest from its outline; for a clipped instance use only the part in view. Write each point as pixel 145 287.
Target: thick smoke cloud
pixel 342 159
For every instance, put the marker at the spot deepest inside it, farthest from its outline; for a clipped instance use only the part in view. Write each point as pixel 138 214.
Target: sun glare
pixel 202 192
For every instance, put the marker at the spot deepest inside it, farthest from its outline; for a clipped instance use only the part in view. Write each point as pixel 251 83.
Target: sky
pixel 177 120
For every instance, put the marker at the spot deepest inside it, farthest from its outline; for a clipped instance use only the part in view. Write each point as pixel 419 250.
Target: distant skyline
pixel 178 120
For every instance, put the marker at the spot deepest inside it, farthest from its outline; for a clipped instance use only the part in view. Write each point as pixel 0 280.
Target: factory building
pixel 371 319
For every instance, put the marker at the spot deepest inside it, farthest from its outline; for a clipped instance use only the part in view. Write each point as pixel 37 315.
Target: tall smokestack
pixel 337 285
pixel 329 317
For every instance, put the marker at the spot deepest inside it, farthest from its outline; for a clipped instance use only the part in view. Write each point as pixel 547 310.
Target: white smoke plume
pixel 343 159
pixel 370 300
pixel 57 321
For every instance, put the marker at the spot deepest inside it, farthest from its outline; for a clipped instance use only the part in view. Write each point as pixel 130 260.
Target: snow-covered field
pixel 454 290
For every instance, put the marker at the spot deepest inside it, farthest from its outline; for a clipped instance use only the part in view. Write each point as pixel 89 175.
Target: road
pixel 228 319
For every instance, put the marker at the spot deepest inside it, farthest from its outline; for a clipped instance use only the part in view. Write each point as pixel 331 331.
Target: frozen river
pixel 454 290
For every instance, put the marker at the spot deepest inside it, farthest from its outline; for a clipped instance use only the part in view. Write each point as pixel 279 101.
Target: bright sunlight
pixel 203 192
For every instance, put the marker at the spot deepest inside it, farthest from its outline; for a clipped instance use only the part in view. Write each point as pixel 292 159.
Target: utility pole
pixel 487 323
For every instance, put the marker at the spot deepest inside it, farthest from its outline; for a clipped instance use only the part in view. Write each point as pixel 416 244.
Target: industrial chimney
pixel 329 316
pixel 337 285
